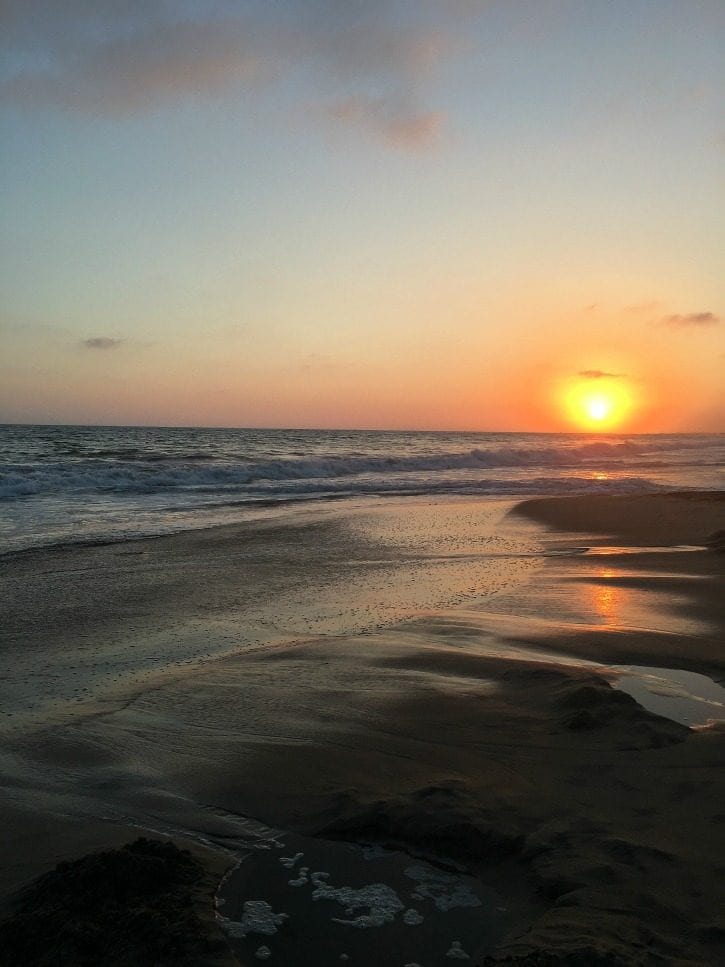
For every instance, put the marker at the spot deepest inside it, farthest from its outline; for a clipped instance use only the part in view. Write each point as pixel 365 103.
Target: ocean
pixel 82 484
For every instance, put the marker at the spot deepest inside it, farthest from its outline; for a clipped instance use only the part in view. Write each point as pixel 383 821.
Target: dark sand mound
pixel 557 813
pixel 682 517
pixel 586 957
pixel 139 905
pixel 716 542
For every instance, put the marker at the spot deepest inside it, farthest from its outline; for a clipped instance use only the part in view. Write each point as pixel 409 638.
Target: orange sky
pixel 410 216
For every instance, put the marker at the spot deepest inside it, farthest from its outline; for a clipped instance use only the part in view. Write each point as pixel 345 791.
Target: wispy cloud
pixel 368 62
pixel 101 342
pixel 691 320
pixel 133 74
pixel 601 374
pixel 398 125
pixel 643 308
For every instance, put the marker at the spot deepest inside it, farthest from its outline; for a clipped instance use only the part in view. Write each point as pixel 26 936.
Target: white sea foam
pixel 412 917
pixel 456 951
pixel 446 890
pixel 302 879
pixel 380 900
pixel 257 917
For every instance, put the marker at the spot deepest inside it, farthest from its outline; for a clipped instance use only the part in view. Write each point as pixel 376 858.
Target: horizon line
pixel 343 429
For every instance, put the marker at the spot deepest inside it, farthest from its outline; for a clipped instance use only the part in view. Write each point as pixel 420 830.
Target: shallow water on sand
pixel 686 697
pixel 146 682
pixel 84 626
pixel 324 903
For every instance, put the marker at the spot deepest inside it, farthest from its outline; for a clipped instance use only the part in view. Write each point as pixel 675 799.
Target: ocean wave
pixel 138 472
pixel 487 486
pixel 477 455
pixel 146 456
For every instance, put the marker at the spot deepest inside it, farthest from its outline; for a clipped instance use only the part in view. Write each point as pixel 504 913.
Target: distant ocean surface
pixel 61 484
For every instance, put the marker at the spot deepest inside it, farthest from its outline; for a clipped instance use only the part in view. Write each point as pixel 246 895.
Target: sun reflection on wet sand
pixel 613 598
pixel 606 598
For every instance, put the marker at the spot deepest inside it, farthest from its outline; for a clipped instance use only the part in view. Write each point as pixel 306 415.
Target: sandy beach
pixel 498 693
pixel 362 484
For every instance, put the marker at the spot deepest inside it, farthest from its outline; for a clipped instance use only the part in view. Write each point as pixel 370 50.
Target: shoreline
pixel 378 731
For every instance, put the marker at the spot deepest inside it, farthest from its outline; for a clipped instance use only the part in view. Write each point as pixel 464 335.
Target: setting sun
pixel 598 408
pixel 604 406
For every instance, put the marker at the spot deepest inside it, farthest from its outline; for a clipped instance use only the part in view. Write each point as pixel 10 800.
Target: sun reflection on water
pixel 607 600
pixel 613 600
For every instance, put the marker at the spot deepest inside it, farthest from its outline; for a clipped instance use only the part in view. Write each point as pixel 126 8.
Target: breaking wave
pixel 124 471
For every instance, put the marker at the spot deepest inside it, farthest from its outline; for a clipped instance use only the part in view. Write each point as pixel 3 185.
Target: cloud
pixel 399 126
pixel 643 308
pixel 691 320
pixel 132 75
pixel 101 342
pixel 365 62
pixel 115 63
pixel 601 374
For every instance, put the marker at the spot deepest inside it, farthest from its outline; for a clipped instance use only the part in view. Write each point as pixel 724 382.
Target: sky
pixel 435 214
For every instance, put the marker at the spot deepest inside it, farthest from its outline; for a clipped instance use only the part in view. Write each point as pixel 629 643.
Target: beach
pixel 362 484
pixel 462 681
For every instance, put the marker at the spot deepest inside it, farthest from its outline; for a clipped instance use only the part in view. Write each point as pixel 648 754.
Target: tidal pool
pixel 686 697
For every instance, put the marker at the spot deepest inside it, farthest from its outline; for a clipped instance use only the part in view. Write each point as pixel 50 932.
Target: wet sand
pixel 443 676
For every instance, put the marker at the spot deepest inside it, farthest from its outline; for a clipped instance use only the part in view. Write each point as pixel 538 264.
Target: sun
pixel 598 408
pixel 598 404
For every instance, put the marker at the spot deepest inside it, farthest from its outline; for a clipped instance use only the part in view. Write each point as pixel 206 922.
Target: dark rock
pixel 131 907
